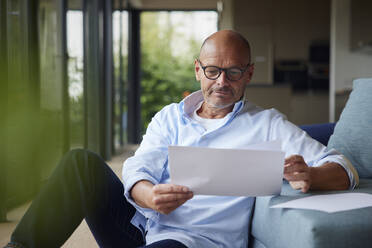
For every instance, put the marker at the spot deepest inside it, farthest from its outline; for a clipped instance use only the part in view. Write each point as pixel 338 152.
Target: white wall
pixel 345 64
pixel 280 30
pixel 292 24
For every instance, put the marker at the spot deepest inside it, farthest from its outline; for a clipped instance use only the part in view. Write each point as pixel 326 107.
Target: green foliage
pixel 76 101
pixel 166 74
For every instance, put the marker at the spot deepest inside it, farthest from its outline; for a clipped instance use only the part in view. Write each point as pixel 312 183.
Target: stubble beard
pixel 214 105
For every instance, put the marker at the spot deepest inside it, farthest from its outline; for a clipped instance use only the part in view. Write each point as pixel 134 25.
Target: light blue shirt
pixel 211 221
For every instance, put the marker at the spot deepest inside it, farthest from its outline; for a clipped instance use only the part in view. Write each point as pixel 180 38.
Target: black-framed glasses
pixel 232 73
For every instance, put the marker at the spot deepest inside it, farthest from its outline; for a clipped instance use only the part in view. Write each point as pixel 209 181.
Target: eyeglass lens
pixel 213 72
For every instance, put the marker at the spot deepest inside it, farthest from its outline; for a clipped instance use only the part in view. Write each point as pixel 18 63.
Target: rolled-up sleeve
pixel 148 163
pixel 296 141
pixel 334 156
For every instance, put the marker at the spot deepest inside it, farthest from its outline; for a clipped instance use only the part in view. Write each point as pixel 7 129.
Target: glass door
pixel 75 68
pixel 170 41
pixel 120 57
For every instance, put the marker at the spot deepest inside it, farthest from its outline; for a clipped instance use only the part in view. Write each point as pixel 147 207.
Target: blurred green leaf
pixel 165 77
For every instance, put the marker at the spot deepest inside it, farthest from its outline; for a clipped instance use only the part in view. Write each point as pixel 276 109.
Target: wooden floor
pixel 82 237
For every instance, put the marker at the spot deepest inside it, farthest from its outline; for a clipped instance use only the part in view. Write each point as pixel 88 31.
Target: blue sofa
pixel 296 228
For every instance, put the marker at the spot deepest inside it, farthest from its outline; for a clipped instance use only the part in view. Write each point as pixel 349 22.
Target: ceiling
pixel 156 4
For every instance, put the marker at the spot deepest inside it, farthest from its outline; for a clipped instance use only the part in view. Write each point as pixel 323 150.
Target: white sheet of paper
pixel 233 172
pixel 331 202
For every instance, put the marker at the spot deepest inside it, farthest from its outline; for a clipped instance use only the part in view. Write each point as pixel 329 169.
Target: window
pixel 75 67
pixel 120 57
pixel 170 41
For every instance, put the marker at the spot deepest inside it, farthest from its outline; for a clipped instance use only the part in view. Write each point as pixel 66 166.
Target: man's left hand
pixel 297 173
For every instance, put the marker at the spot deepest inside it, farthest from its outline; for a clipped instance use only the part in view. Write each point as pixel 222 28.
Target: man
pixel 157 213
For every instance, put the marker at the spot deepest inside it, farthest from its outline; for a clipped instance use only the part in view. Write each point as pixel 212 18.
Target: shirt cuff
pixel 129 183
pixel 353 171
pixel 346 164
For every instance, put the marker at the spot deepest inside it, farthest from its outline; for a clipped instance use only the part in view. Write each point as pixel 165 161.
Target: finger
pixel 297 176
pixel 163 198
pixel 295 167
pixel 294 158
pixel 174 204
pixel 166 208
pixel 306 187
pixel 170 188
pixel 297 184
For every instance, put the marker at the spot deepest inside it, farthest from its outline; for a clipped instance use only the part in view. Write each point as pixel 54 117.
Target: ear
pixel 198 69
pixel 249 72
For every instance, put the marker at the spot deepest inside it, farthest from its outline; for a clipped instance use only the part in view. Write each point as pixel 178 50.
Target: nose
pixel 222 79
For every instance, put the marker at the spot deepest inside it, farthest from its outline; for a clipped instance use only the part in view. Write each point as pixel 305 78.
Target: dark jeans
pixel 82 186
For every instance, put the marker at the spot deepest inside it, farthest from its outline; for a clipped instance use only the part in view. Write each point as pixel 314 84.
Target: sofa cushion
pixel 320 132
pixel 353 132
pixel 293 228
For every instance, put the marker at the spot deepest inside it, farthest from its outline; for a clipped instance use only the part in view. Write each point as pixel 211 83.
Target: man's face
pixel 222 92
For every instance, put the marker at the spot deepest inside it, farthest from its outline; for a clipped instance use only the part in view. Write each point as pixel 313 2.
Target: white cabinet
pixel 260 39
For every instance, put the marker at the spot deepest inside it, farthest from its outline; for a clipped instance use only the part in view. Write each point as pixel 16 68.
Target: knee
pixel 81 153
pixel 83 159
pixel 76 154
pixel 76 151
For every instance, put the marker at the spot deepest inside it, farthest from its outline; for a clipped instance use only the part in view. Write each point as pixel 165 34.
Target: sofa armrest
pixel 293 228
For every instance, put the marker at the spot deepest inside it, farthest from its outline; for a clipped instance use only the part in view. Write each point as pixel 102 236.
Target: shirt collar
pixel 191 102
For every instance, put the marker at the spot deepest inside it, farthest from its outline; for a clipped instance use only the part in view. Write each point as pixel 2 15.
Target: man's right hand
pixel 163 198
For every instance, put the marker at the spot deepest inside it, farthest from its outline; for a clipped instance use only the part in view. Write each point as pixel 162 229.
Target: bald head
pixel 227 53
pixel 226 40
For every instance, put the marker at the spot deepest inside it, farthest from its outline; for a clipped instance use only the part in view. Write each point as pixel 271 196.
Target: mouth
pixel 222 93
